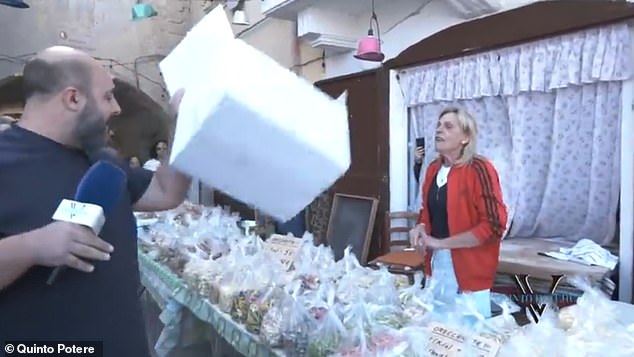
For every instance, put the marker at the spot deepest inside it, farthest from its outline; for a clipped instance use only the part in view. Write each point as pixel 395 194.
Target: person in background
pixel 158 155
pixel 134 162
pixel 463 217
pixel 62 132
pixel 419 154
pixel 6 122
pixel 295 226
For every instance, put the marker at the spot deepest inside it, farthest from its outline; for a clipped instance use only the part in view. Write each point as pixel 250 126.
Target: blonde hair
pixel 468 124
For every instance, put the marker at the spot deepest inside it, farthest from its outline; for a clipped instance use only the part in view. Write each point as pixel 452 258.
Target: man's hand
pixel 175 101
pixel 63 243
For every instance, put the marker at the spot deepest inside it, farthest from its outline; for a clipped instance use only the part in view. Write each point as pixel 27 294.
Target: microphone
pixel 97 194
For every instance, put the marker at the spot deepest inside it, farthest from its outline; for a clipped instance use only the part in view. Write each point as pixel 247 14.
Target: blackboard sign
pixel 351 224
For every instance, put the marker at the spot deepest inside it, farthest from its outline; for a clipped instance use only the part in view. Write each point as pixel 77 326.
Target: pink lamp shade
pixel 370 49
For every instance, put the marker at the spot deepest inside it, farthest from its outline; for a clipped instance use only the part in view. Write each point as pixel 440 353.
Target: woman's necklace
pixel 443 174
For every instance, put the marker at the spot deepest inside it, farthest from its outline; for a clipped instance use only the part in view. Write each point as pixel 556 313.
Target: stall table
pixel 520 256
pixel 175 298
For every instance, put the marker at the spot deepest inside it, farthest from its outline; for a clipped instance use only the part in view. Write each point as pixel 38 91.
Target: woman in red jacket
pixel 463 218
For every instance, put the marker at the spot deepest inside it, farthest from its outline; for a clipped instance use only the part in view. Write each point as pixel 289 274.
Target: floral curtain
pixel 549 118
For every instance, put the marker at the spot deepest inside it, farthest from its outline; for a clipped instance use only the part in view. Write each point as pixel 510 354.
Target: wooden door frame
pixel 381 82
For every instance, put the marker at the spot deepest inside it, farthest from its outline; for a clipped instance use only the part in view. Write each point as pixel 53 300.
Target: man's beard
pixel 90 128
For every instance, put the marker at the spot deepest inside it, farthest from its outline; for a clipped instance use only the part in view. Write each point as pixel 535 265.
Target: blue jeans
pixel 448 289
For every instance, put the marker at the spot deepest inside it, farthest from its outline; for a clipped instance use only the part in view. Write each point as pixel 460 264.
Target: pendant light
pixel 142 11
pixel 370 46
pixel 18 4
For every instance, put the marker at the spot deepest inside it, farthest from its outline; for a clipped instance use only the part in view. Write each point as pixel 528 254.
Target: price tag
pixel 447 342
pixel 284 248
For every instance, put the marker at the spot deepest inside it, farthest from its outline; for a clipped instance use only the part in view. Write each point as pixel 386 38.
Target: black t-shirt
pixel 35 175
pixel 437 205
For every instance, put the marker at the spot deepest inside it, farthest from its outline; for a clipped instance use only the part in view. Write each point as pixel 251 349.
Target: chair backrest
pixel 409 217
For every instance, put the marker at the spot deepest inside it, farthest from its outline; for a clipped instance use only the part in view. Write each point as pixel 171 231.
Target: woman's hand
pixel 433 243
pixel 416 236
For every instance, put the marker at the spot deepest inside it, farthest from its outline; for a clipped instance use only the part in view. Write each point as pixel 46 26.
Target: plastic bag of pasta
pixel 383 291
pixel 328 331
pixel 255 283
pixel 273 321
pixel 260 305
pixel 236 265
pixel 327 336
pixel 388 342
pixel 385 316
pixel 296 326
pixel 356 343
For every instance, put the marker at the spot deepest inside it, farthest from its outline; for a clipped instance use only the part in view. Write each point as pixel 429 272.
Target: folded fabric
pixel 586 252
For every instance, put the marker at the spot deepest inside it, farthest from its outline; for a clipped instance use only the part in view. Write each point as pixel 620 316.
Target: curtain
pixel 567 151
pixel 548 116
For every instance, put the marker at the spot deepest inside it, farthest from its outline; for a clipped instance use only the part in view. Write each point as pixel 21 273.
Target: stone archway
pixel 142 121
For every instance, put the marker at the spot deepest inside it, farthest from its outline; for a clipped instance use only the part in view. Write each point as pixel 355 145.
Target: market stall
pixel 268 300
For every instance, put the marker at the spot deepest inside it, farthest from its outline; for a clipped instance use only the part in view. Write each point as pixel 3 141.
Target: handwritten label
pixel 284 248
pixel 448 342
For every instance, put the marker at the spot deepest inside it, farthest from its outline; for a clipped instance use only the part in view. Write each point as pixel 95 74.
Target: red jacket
pixel 474 203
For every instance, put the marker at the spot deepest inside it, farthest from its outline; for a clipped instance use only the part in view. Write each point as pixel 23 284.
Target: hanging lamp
pixel 142 11
pixel 19 4
pixel 370 46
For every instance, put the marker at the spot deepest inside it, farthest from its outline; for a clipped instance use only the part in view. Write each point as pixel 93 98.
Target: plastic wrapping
pixel 356 342
pixel 296 326
pixel 323 307
pixel 255 285
pixel 273 322
pixel 389 342
pixel 260 305
pixel 592 327
pixel 328 331
pixel 379 286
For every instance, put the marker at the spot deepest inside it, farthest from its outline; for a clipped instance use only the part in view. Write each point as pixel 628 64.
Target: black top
pixel 35 175
pixel 437 206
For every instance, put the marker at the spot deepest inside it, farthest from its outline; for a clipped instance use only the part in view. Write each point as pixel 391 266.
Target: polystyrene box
pixel 256 131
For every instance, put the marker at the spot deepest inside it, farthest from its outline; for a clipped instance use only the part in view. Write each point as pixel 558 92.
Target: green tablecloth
pixel 169 290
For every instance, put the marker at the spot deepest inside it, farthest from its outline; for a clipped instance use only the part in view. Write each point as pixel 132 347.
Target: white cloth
pixel 152 164
pixel 448 289
pixel 586 252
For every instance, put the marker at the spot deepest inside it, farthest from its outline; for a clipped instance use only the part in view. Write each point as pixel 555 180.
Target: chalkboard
pixel 351 224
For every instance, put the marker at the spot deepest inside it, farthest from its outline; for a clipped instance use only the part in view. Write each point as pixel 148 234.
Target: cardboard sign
pixel 448 342
pixel 284 248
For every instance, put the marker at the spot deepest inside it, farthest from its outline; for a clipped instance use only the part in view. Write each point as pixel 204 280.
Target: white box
pixel 251 128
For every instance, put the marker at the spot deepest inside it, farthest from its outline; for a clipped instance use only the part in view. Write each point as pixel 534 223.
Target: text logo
pixel 536 308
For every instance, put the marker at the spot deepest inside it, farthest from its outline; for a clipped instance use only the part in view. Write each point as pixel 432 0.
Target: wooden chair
pixel 389 230
pixel 401 261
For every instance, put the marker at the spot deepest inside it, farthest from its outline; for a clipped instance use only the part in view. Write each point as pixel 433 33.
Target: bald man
pixel 69 100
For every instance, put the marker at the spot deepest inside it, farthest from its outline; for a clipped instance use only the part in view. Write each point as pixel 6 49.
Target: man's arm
pixel 16 258
pixel 167 190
